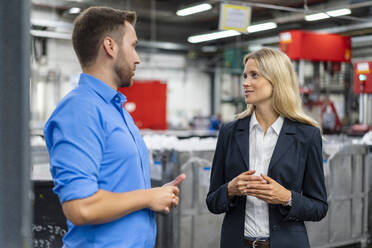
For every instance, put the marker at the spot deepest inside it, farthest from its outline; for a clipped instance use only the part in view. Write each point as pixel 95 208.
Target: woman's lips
pixel 247 92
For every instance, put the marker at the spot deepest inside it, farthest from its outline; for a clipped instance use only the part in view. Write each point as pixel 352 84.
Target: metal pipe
pixel 363 108
pixel 15 176
pixel 275 39
pixel 366 191
pixel 301 72
pixel 217 90
pixel 153 24
pixel 369 110
pixel 260 5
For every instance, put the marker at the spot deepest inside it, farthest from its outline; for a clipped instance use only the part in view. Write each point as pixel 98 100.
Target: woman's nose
pixel 246 82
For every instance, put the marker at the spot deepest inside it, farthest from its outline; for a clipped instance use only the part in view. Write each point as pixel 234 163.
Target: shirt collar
pixel 102 89
pixel 253 123
pixel 276 126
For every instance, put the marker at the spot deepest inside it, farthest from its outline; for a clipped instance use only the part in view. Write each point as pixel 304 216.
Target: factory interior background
pixel 188 83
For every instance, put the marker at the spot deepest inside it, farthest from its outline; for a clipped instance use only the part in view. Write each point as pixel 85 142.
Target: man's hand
pixel 105 206
pixel 238 185
pixel 271 192
pixel 177 181
pixel 165 197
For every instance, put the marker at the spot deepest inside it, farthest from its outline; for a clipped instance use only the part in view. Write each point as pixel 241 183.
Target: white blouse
pixel 261 148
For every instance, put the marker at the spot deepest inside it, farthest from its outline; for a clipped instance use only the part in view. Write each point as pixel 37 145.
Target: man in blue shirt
pixel 98 159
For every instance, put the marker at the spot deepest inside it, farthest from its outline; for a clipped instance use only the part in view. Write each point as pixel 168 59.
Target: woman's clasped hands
pixel 261 187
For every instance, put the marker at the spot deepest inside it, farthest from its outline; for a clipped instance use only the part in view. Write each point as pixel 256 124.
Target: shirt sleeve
pixel 75 140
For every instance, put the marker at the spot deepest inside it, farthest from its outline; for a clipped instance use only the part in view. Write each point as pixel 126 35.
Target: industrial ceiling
pixel 158 23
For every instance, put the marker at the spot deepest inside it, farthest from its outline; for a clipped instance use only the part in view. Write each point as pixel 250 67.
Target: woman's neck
pixel 265 116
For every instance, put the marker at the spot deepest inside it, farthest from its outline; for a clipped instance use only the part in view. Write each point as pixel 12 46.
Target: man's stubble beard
pixel 123 73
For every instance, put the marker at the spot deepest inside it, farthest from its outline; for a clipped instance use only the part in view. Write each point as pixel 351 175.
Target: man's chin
pixel 127 83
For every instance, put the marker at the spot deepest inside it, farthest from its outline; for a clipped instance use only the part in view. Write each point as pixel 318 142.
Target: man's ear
pixel 110 47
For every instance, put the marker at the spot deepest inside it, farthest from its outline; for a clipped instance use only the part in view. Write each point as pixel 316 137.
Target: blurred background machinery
pixel 187 85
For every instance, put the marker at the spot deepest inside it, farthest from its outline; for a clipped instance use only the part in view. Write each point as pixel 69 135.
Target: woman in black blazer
pixel 267 174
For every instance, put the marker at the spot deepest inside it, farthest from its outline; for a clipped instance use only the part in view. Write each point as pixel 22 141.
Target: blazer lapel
pixel 242 138
pixel 285 140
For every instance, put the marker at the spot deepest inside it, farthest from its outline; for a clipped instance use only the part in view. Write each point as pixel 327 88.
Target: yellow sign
pixel 234 17
pixel 363 68
pixel 285 37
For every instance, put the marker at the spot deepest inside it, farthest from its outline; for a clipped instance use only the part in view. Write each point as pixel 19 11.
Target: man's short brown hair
pixel 93 25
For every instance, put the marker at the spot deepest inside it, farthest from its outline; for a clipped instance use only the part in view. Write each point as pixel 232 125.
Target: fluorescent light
pixel 51 34
pixel 74 10
pixel 315 17
pixel 212 36
pixel 254 48
pixel 209 49
pixel 339 12
pixel 194 9
pixel 261 27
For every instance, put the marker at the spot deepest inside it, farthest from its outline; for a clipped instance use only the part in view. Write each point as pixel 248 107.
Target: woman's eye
pixel 254 75
pixel 245 76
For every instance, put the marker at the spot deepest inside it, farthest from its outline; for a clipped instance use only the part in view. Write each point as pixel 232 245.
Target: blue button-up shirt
pixel 94 144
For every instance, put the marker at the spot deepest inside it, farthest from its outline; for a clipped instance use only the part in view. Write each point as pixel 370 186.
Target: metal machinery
pixel 346 175
pixel 322 62
pixel 363 87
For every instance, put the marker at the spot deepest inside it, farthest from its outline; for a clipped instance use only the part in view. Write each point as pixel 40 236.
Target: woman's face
pixel 257 89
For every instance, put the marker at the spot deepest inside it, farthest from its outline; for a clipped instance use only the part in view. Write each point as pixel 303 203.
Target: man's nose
pixel 137 59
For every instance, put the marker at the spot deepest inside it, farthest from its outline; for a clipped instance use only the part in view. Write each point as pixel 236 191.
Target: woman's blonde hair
pixel 276 67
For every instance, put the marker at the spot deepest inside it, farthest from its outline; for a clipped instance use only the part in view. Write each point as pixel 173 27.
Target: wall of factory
pixel 188 87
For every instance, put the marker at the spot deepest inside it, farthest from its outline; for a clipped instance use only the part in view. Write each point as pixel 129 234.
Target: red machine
pixel 363 77
pixel 298 44
pixel 147 104
pixel 363 87
pixel 318 47
pixel 329 118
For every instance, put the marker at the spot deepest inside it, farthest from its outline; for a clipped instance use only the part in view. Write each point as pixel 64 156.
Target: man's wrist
pixel 147 196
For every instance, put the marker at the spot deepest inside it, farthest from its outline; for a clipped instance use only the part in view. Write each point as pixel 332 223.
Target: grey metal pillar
pixel 15 203
pixel 217 90
pixel 301 72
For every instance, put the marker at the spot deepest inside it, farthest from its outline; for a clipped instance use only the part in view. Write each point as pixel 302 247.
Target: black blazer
pixel 296 164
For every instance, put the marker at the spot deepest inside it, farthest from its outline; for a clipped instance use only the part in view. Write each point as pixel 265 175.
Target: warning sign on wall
pixel 234 17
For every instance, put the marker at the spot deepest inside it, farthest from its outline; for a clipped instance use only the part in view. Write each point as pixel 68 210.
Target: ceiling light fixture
pixel 195 9
pixel 261 27
pixel 339 12
pixel 315 17
pixel 212 36
pixel 74 10
pixel 255 47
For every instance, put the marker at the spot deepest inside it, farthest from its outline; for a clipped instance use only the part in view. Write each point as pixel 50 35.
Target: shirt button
pixel 117 99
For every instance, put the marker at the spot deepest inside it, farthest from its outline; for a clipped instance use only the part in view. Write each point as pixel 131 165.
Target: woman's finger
pixel 258 192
